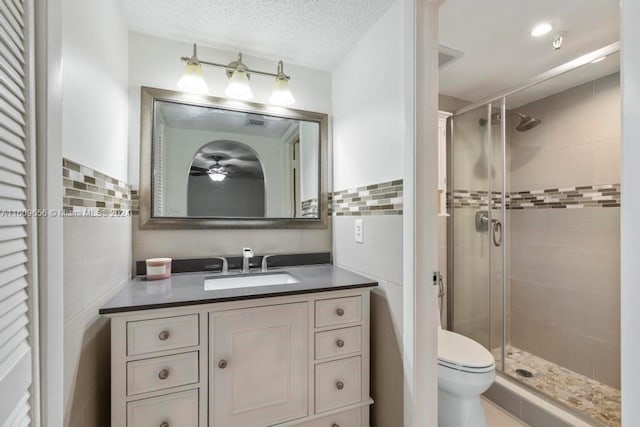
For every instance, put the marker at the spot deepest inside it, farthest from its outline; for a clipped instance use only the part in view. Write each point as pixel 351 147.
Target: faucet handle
pixel 265 262
pixel 225 264
pixel 247 253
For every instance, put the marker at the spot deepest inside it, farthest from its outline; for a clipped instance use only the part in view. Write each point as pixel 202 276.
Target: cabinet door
pixel 259 365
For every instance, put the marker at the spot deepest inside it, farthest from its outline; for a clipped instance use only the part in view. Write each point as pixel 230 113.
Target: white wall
pixel 368 135
pixel 95 67
pixel 368 121
pixel 155 62
pixel 630 227
pixel 97 250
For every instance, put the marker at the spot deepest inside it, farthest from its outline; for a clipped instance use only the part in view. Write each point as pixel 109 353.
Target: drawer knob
pixel 335 425
pixel 163 336
pixel 340 312
pixel 339 385
pixel 340 343
pixel 164 374
pixel 222 364
pixel 164 424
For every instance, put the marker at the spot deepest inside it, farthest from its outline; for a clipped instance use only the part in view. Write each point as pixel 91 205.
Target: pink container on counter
pixel 158 268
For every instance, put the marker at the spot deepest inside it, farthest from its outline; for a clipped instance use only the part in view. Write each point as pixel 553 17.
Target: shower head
pixel 527 122
pixel 495 119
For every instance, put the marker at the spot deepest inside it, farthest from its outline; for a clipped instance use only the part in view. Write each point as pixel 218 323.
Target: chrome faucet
pixel 247 254
pixel 265 263
pixel 224 268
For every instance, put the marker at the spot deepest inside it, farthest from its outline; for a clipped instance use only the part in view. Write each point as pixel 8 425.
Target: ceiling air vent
pixel 255 121
pixel 447 56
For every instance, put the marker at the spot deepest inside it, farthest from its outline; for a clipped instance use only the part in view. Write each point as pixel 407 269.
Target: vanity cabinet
pixel 259 365
pixel 297 360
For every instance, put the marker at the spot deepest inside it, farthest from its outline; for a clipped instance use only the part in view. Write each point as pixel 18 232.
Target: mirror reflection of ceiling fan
pixel 216 172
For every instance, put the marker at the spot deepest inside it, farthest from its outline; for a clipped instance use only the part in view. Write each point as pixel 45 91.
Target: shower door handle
pixel 496 232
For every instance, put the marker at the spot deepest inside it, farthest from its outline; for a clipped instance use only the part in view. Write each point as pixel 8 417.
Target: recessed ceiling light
pixel 541 29
pixel 602 58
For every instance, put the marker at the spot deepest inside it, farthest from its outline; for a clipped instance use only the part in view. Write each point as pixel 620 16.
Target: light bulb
pixel 541 29
pixel 281 94
pixel 239 86
pixel 192 79
pixel 217 177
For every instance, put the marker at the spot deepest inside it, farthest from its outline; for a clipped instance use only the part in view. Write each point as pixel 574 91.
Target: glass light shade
pixel 192 79
pixel 239 86
pixel 217 177
pixel 281 94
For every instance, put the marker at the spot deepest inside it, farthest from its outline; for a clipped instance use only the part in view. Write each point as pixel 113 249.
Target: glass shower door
pixel 476 227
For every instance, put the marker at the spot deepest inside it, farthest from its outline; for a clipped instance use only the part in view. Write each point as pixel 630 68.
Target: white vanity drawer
pixel 338 311
pixel 338 383
pixel 338 342
pixel 162 372
pixel 351 418
pixel 168 333
pixel 171 410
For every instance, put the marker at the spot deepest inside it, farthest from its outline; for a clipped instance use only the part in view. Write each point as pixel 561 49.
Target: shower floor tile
pixel 597 400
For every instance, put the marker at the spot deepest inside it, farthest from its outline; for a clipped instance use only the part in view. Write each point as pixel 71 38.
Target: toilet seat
pixel 458 352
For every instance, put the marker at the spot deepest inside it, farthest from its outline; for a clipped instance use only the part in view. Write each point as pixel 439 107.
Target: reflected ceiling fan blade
pixel 197 171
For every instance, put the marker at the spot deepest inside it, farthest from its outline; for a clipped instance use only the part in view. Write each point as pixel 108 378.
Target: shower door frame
pixel 502 97
pixel 490 202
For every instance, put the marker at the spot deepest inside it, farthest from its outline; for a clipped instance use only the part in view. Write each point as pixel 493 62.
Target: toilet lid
pixel 463 352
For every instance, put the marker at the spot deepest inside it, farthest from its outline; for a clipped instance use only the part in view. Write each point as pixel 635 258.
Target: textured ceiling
pixel 499 52
pixel 312 33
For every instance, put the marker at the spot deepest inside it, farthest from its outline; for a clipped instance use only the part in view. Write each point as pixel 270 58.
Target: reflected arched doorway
pixel 226 179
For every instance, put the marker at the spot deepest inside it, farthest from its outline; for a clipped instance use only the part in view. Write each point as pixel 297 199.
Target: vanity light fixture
pixel 281 94
pixel 192 79
pixel 541 29
pixel 238 73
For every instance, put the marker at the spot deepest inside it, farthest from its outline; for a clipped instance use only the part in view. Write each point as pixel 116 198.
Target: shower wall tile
pixel 607 272
pixel 571 350
pixel 577 143
pixel 564 285
pixel 607 363
pixel 564 299
pixel 605 318
pixel 529 301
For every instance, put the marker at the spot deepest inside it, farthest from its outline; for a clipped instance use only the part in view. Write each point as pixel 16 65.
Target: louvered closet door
pixel 15 238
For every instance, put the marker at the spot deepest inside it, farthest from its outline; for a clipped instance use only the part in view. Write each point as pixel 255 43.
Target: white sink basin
pixel 246 281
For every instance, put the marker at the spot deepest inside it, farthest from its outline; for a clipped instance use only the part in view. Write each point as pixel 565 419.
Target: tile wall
pixel 565 263
pixel 563 219
pixel 96 265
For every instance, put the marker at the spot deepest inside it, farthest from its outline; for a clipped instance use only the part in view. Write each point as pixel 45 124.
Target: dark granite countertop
pixel 184 289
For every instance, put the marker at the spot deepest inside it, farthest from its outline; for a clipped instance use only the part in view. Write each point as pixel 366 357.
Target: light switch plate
pixel 359 231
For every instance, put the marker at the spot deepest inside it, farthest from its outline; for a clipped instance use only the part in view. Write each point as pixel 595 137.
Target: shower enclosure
pixel 533 233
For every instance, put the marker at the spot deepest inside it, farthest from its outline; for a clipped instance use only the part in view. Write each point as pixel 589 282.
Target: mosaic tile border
pixel 386 198
pixel 87 190
pixel 475 199
pixel 376 199
pixel 588 196
pixel 598 196
pixel 309 208
pixel 135 200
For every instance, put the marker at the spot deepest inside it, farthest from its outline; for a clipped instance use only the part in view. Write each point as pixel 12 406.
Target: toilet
pixel 465 370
